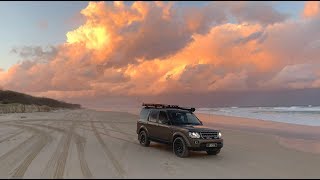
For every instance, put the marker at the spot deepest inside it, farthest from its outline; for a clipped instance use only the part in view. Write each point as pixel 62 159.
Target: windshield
pixel 183 118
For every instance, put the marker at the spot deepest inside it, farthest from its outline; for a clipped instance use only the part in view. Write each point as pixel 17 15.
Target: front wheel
pixel 180 148
pixel 143 139
pixel 213 152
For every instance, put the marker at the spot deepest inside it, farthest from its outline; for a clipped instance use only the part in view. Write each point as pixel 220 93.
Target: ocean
pixel 302 115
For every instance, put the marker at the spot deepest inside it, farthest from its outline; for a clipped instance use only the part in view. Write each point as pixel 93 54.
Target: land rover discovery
pixel 179 127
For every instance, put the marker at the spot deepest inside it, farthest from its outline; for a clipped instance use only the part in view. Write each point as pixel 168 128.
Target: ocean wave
pixel 297 108
pixel 304 115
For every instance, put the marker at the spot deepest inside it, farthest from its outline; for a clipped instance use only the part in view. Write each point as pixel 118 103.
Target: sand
pixel 91 144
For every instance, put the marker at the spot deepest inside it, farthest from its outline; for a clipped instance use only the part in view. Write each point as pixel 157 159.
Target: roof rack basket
pixel 150 105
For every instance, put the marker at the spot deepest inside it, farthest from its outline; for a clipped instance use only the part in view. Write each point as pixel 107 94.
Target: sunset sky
pixel 196 53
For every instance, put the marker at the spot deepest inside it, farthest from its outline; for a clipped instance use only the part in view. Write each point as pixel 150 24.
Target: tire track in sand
pixel 108 135
pixel 22 168
pixel 108 152
pixel 117 129
pixel 27 150
pixel 114 128
pixel 11 136
pixel 20 171
pixel 83 163
pixel 80 144
pixel 56 165
pixel 49 169
pixel 61 161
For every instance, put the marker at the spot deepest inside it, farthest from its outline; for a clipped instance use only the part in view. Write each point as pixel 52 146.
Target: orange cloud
pixel 311 9
pixel 151 48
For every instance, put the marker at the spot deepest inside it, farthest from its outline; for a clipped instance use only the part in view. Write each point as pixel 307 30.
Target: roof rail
pixel 150 105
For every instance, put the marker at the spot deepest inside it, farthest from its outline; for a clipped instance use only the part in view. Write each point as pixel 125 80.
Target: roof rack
pixel 148 105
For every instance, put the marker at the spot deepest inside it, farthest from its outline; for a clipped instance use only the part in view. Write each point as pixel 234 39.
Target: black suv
pixel 179 127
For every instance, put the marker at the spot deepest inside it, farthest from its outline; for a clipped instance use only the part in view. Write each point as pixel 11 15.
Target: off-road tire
pixel 180 148
pixel 143 139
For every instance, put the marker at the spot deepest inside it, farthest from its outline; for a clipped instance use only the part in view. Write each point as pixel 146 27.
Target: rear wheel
pixel 213 152
pixel 143 139
pixel 180 148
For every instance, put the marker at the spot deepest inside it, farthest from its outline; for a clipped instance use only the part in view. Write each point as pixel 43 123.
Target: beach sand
pixel 93 144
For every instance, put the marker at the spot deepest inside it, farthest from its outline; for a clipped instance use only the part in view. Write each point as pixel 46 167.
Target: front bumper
pixel 200 144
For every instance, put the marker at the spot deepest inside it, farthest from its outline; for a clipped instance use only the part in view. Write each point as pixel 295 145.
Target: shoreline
pixel 256 123
pixel 290 117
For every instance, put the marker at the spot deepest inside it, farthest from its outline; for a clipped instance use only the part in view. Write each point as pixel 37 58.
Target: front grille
pixel 209 135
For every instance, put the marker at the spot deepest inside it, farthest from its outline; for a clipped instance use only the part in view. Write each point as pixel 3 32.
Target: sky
pixel 104 53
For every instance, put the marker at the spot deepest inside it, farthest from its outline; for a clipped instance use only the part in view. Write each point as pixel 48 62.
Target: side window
pixel 163 119
pixel 153 116
pixel 144 114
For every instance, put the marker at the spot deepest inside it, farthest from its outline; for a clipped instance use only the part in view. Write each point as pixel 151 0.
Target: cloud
pixel 259 36
pixel 297 76
pixel 255 12
pixel 35 52
pixel 157 48
pixel 201 19
pixel 144 30
pixel 311 9
pixel 231 82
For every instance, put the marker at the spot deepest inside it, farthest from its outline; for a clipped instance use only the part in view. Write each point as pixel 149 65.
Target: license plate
pixel 212 145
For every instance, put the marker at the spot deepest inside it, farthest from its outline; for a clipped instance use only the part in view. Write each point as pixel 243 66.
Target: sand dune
pixel 22 108
pixel 92 144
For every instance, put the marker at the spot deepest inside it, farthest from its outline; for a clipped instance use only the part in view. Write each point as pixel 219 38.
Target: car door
pixel 164 131
pixel 152 123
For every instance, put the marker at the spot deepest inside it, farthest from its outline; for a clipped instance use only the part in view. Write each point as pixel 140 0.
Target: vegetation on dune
pixel 11 97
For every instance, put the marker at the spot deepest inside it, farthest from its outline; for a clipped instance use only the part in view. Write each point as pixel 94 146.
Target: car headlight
pixel 219 135
pixel 194 135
